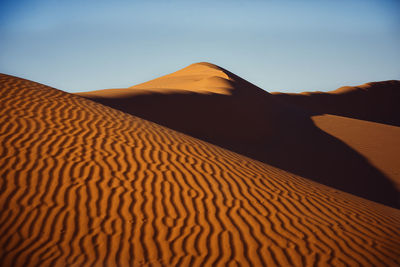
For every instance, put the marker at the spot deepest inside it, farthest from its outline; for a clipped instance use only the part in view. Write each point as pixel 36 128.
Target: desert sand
pixel 85 184
pixel 215 105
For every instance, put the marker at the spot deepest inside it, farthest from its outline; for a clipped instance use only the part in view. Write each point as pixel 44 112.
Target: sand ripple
pixel 83 184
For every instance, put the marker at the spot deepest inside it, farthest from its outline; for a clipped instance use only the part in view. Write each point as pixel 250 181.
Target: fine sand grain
pixel 83 184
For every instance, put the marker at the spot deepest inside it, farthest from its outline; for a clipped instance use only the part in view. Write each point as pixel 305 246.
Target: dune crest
pixel 84 184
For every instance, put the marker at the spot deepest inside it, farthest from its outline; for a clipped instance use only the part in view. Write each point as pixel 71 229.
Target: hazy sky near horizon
pixel 288 46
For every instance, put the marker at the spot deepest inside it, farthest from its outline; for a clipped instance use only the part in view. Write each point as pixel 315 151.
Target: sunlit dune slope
pixel 215 105
pixel 84 184
pixel 375 101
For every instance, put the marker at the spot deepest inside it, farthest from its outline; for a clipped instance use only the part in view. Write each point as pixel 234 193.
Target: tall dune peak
pixel 202 78
pixel 205 64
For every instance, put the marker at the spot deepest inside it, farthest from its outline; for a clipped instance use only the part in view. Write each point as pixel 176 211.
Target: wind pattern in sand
pixel 85 185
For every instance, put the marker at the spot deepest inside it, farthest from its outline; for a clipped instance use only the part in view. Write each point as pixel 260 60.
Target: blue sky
pixel 288 46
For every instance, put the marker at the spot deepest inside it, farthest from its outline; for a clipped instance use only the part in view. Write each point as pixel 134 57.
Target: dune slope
pixel 379 143
pixel 83 184
pixel 215 105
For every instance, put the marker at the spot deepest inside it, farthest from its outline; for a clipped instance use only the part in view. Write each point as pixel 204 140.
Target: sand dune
pixel 215 105
pixel 84 184
pixel 376 101
pixel 202 78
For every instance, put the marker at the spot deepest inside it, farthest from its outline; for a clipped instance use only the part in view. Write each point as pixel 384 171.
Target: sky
pixel 287 46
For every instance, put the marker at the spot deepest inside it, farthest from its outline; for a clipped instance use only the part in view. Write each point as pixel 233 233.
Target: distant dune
pixel 83 184
pixel 215 105
pixel 375 101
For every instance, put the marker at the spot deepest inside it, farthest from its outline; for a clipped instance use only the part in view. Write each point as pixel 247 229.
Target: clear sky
pixel 289 46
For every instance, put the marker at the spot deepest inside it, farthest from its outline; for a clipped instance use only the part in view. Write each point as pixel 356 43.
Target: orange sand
pixel 83 184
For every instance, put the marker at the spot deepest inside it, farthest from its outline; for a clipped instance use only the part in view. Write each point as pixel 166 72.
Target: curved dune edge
pixel 83 184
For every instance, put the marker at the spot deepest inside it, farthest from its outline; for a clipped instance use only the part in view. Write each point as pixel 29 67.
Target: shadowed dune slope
pixel 215 105
pixel 83 184
pixel 375 101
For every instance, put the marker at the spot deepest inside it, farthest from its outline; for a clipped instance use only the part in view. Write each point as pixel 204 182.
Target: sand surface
pixel 215 105
pixel 83 184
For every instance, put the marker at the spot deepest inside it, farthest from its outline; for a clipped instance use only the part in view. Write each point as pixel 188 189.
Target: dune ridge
pixel 250 121
pixel 84 184
pixel 375 101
